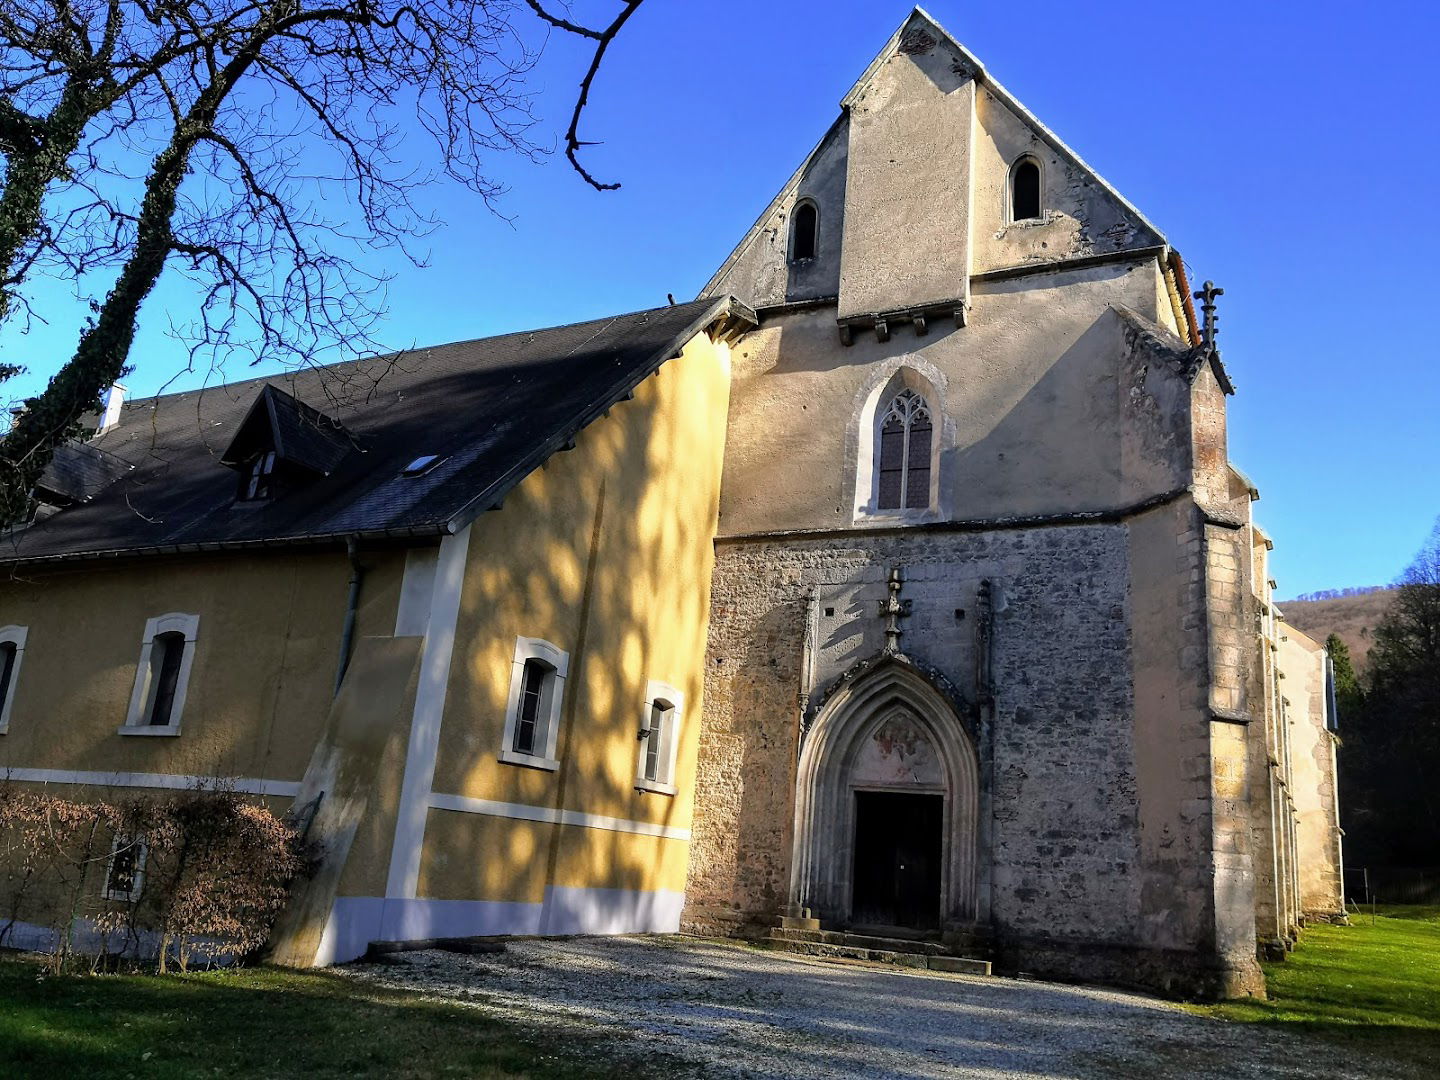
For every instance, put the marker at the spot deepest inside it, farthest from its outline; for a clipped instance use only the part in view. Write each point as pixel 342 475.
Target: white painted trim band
pixel 520 812
pixel 166 781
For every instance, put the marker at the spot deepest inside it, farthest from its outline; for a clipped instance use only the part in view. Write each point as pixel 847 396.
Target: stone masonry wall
pixel 1059 838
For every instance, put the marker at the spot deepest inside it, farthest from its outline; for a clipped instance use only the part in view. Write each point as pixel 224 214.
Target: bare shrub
pixel 196 872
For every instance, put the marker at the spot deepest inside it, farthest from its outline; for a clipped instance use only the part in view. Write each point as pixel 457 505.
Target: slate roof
pixel 80 471
pixel 494 409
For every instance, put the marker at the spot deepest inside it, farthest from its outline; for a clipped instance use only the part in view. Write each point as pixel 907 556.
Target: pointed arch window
pixel 906 433
pixel 1025 190
pixel 804 231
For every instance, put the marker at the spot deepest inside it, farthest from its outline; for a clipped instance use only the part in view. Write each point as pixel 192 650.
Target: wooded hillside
pixel 1353 617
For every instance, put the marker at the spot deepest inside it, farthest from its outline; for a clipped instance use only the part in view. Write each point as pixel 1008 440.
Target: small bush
pixel 212 869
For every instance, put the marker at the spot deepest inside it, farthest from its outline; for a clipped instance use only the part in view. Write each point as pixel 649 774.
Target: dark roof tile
pixel 493 408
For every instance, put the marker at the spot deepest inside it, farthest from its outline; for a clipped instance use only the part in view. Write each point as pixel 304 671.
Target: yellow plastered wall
pixel 262 678
pixel 605 553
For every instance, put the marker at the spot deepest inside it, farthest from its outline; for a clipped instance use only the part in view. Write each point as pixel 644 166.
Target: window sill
pixel 150 729
pixel 896 517
pixel 656 788
pixel 528 761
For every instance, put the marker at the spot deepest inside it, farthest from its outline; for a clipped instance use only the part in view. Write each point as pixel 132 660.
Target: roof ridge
pixel 259 381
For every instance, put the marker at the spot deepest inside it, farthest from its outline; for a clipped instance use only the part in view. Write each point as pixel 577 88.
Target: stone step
pixel 825 950
pixel 792 922
pixel 909 959
pixel 959 965
pixel 859 941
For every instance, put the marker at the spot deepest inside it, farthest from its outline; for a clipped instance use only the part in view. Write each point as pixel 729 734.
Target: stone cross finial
pixel 1209 326
pixel 893 608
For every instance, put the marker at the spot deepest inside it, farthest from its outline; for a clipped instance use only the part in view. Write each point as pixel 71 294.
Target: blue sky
pixel 1289 151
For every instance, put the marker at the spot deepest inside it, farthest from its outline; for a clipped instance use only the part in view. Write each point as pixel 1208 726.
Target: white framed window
pixel 125 872
pixel 659 738
pixel 897 461
pixel 12 651
pixel 532 718
pixel 162 676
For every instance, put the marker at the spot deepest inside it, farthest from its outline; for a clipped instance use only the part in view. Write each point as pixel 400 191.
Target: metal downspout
pixel 352 603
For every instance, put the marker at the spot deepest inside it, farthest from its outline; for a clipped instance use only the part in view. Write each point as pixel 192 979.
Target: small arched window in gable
pixel 1025 190
pixel 804 231
pixel 906 431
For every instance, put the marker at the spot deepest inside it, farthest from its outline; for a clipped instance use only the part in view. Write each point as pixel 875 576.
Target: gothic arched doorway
pixel 887 803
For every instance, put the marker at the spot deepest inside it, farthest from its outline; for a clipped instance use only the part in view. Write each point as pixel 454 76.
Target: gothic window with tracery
pixel 905 435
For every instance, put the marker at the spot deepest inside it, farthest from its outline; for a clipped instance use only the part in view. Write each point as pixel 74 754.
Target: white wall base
pixel 355 921
pixel 88 941
pixel 610 911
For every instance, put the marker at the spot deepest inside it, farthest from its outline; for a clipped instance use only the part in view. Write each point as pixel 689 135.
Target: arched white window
pixel 162 676
pixel 537 689
pixel 898 433
pixel 804 231
pixel 12 652
pixel 1025 194
pixel 659 738
pixel 906 435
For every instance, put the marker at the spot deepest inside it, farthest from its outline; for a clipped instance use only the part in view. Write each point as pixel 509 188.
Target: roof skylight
pixel 421 465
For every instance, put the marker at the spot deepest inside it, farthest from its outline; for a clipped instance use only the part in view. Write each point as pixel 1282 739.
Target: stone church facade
pixel 899 584
pixel 1054 641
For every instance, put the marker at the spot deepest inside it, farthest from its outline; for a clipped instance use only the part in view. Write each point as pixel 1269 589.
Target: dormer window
pixel 257 482
pixel 283 443
pixel 804 231
pixel 1025 190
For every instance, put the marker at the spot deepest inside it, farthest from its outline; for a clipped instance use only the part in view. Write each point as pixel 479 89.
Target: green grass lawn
pixel 262 1022
pixel 1374 985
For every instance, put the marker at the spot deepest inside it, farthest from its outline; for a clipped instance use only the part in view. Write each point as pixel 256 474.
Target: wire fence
pixel 1392 885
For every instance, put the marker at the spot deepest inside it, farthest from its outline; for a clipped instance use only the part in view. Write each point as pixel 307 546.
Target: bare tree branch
pixel 603 38
pixel 563 24
pixel 284 161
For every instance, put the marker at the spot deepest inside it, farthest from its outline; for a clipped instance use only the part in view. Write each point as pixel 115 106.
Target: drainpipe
pixel 352 602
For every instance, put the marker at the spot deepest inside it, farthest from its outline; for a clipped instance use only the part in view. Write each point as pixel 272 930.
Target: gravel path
pixel 728 1010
